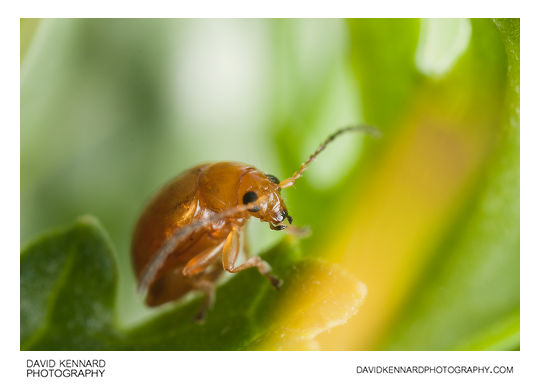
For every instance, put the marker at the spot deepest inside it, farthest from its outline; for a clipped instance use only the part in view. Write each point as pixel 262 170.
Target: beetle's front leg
pixel 245 243
pixel 230 253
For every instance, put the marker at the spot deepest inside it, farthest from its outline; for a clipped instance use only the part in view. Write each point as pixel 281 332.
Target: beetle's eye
pixel 249 197
pixel 273 179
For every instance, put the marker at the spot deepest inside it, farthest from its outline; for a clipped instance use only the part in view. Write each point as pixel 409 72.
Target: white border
pixel 275 8
pixel 281 367
pixel 270 366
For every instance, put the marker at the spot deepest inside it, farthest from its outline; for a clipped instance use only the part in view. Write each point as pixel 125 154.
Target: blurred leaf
pixel 434 280
pixel 68 282
pixel 469 297
pixel 328 101
pixel 28 29
pixel 502 335
pixel 101 86
pixel 386 76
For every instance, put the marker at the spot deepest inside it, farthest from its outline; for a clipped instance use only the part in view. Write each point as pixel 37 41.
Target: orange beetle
pixel 195 221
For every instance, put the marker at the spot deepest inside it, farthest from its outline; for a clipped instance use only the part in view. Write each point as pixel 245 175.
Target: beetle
pixel 190 231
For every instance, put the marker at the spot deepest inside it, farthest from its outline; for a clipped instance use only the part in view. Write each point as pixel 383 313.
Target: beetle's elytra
pixel 189 233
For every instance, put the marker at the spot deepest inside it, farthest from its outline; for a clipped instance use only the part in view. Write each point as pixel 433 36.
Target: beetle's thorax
pixel 224 185
pixel 218 185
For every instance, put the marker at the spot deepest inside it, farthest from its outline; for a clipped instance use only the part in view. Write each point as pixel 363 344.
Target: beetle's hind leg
pixel 203 271
pixel 206 283
pixel 230 254
pixel 209 290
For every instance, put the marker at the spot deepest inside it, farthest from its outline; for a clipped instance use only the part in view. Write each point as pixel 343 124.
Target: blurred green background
pixel 427 216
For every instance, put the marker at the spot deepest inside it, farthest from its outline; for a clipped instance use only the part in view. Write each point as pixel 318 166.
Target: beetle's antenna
pixel 357 128
pixel 182 233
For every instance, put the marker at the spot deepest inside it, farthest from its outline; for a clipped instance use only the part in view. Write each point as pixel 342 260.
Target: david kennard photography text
pixel 65 368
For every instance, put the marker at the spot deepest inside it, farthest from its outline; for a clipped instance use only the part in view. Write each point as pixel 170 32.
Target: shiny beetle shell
pixel 196 195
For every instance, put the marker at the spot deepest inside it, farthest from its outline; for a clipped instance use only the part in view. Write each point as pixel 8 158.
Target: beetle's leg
pixel 230 253
pixel 150 271
pixel 276 282
pixel 200 262
pixel 245 243
pixel 208 288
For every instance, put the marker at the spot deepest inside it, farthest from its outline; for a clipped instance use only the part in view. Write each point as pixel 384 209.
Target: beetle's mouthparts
pixel 277 227
pixel 286 215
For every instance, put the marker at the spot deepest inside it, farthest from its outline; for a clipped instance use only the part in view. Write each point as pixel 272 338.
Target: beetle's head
pixel 264 192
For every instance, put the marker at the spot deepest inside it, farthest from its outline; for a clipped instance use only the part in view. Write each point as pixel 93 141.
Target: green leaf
pixel 386 76
pixel 68 283
pixel 433 229
pixel 240 315
pixel 468 297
